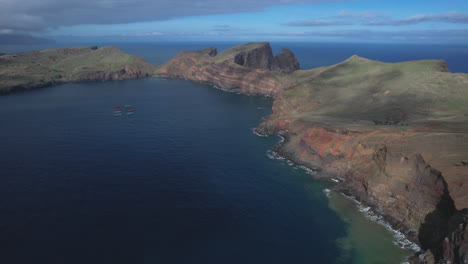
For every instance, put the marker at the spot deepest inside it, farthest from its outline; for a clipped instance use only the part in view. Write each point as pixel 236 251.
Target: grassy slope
pixel 62 65
pixel 364 90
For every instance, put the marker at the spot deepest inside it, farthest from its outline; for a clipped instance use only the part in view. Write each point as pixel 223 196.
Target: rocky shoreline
pixel 401 239
pixel 338 188
pixel 453 221
pixel 382 153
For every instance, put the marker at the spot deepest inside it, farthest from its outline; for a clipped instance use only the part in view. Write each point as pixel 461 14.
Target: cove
pixel 182 180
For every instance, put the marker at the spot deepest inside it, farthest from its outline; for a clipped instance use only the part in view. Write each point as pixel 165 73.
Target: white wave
pixel 364 209
pixel 399 238
pixel 281 139
pixel 256 133
pixel 307 170
pixel 327 192
pixel 273 155
pixel 335 180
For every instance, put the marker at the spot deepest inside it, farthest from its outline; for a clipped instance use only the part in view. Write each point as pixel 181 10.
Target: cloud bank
pixel 373 18
pixel 448 17
pixel 317 23
pixel 36 16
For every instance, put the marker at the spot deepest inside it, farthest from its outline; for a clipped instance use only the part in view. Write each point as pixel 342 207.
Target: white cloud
pixel 34 15
pixel 448 17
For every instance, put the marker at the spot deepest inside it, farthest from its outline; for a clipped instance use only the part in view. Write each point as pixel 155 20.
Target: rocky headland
pixel 249 69
pixel 395 135
pixel 32 70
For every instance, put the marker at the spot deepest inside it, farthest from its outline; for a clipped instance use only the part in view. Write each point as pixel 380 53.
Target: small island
pixel 393 135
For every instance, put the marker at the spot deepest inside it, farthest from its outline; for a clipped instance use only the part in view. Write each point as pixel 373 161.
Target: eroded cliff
pixel 250 68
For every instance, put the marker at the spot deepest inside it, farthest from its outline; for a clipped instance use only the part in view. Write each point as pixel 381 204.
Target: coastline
pixel 381 166
pixel 400 238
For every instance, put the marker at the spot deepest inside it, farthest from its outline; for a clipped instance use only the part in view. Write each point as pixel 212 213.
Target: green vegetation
pixel 382 93
pixel 37 69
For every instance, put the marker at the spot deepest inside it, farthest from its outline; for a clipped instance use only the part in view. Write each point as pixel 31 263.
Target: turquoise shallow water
pixel 182 180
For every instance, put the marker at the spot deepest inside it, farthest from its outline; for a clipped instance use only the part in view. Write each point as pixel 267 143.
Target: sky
pixel 412 21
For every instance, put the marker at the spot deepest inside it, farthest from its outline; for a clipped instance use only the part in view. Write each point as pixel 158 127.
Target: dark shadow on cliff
pixel 438 224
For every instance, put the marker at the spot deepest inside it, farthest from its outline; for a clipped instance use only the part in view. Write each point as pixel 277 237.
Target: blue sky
pixel 289 20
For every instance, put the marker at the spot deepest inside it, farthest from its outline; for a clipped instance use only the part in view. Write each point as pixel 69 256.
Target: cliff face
pixel 394 134
pixel 249 69
pixel 38 69
pixel 384 170
pixel 260 57
pixel 285 61
pixel 455 246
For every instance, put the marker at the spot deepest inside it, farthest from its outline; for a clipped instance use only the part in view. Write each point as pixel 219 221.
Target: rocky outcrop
pixel 285 61
pixel 249 69
pixel 262 58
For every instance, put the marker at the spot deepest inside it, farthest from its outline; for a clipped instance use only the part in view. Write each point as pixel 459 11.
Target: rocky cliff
pixel 394 134
pixel 250 68
pixel 39 69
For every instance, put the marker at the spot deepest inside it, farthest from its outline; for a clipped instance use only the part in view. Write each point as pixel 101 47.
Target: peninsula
pixel 38 69
pixel 395 135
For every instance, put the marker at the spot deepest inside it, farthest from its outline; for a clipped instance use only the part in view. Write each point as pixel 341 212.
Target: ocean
pixel 180 179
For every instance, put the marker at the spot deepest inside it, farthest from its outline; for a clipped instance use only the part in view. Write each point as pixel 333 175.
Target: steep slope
pixel 38 69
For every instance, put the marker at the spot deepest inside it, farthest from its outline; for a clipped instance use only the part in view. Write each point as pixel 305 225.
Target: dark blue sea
pixel 181 179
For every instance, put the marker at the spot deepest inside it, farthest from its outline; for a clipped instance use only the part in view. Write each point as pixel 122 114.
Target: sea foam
pixel 399 238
